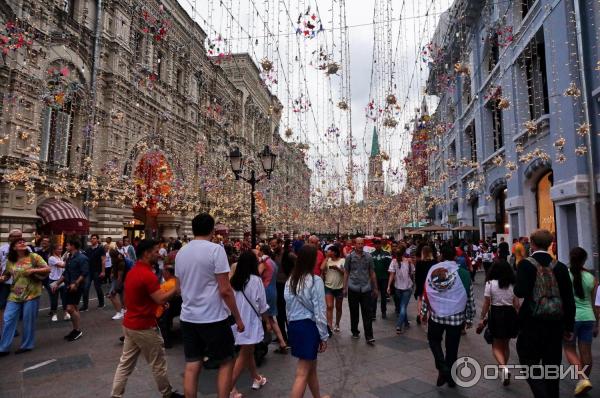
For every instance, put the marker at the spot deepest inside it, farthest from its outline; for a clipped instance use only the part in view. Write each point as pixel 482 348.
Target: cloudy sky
pixel 385 39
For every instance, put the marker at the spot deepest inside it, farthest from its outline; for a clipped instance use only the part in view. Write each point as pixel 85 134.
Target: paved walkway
pixel 398 366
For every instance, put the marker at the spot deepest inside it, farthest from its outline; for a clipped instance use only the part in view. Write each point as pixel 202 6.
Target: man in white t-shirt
pixel 202 270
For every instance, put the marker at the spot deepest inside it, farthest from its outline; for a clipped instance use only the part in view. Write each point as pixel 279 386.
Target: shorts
pixel 115 287
pixel 337 293
pixel 4 292
pixel 208 342
pixel 73 298
pixel 304 339
pixel 583 332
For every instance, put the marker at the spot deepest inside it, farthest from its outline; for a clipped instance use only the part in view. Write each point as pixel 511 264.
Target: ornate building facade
pixel 117 110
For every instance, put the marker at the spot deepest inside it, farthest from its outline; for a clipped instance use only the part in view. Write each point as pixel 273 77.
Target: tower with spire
pixel 376 181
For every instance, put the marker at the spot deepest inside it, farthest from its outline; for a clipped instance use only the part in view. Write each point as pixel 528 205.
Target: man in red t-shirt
pixel 314 241
pixel 142 297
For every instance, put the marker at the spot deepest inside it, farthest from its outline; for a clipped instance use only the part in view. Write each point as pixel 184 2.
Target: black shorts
pixel 73 298
pixel 4 293
pixel 208 342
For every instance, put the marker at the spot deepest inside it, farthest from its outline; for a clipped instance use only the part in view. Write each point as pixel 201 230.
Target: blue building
pixel 517 120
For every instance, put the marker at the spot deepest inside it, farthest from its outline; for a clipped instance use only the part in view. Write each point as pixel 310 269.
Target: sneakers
pixel 336 329
pixel 371 341
pixel 74 335
pixel 67 317
pixel 54 318
pixel 399 330
pixel 83 309
pixel 582 387
pixel 117 316
pixel 175 394
pixel 257 384
pixel 100 306
pixel 505 375
pixel 355 335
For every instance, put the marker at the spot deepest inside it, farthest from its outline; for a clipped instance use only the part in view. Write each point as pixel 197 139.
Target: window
pixel 526 6
pixel 470 150
pixel 534 61
pixel 69 8
pixel 57 127
pixel 138 46
pixel 497 128
pixel 545 205
pixel 501 216
pixel 160 65
pixel 179 80
pixel 493 53
pixel 199 83
pixel 466 91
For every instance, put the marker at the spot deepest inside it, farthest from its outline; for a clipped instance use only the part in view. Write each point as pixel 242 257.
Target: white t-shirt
pixel 55 271
pixel 255 292
pixel 196 266
pixel 162 252
pixel 402 274
pixel 498 296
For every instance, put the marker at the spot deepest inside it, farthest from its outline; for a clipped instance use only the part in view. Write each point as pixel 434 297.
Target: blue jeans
pixel 94 277
pixel 403 299
pixel 11 318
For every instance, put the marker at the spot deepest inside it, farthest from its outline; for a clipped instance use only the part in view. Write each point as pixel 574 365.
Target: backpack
pixel 546 302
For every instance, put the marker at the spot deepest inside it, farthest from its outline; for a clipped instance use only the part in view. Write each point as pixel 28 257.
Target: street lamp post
pixel 267 160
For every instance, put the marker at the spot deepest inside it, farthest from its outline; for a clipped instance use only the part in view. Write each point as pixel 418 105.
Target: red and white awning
pixel 59 216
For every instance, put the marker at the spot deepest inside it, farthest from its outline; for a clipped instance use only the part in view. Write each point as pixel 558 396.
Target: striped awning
pixel 60 217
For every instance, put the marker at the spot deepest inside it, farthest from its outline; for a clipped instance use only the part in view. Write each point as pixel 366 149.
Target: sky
pixel 385 40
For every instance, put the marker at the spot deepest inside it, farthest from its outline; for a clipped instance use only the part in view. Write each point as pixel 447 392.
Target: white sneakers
pixel 54 318
pixel 117 316
pixel 257 384
pixel 67 317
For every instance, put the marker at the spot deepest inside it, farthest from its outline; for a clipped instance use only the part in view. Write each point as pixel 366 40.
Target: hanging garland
pixel 13 37
pixel 156 27
pixel 309 24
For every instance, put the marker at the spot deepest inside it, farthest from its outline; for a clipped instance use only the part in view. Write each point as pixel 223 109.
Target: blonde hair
pixel 426 253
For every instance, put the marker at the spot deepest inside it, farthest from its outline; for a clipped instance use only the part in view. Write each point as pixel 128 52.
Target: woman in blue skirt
pixel 306 312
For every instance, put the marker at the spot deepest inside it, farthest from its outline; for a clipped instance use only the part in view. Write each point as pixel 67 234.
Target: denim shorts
pixel 337 293
pixel 583 332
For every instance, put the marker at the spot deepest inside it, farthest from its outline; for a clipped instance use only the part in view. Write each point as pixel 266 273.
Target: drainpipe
pixel 588 138
pixel 89 143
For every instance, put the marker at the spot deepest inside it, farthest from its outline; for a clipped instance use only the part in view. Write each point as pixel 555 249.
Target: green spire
pixel 375 144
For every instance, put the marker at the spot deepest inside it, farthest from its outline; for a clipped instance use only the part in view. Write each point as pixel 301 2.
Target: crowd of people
pixel 233 300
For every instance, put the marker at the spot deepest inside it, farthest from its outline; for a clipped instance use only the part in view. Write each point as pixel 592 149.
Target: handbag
pixel 487 333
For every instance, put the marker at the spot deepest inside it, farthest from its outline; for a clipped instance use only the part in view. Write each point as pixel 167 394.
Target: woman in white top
pixel 402 274
pixel 332 270
pixel 57 267
pixel 252 304
pixel 500 306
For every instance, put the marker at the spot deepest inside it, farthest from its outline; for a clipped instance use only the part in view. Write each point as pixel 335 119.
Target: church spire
pixel 375 144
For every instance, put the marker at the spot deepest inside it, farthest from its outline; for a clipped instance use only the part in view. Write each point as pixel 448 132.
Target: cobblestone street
pixel 398 366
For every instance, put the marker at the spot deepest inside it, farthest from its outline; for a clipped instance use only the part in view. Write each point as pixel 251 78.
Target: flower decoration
pixel 289 132
pixel 266 64
pixel 572 91
pixel 13 36
pixel 531 126
pixel 332 68
pixel 24 135
pixel 301 104
pixel 309 24
pixel 390 122
pixel 581 150
pixel 343 105
pixel 156 27
pixel 431 53
pixel 462 69
pixel 333 131
pixel 59 89
pixel 583 129
pixel 498 161
pixel 391 99
pixel 503 103
pixel 217 49
pixel 559 143
pixel 561 158
pixel 493 93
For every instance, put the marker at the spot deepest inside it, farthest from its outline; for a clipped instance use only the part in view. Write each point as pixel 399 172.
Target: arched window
pixel 61 97
pixel 545 205
pixel 501 216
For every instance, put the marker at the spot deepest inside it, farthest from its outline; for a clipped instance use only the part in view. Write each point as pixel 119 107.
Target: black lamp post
pixel 267 160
